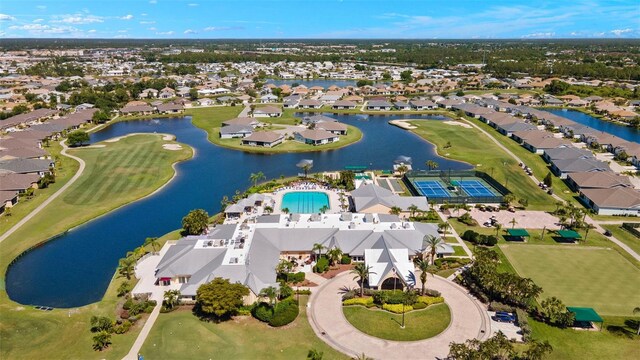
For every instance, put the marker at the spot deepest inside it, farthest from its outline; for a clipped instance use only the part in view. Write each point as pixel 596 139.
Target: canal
pixel 623 132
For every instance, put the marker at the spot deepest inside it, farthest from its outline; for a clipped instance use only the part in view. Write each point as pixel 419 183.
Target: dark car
pixel 504 319
pixel 506 314
pixel 607 233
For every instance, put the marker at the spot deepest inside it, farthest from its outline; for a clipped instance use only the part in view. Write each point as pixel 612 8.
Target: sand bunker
pixel 403 124
pixel 458 123
pixel 172 147
pixel 168 137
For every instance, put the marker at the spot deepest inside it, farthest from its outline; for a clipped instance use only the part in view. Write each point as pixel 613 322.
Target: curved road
pixel 64 187
pixel 588 219
pixel 468 320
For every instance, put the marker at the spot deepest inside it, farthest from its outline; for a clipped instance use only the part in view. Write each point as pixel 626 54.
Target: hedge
pixel 430 300
pixel 262 312
pixel 346 259
pixel 523 322
pixel 295 277
pixel 368 301
pixel 498 306
pixel 322 265
pixel 397 308
pixel 286 311
pixel 419 305
pixel 431 292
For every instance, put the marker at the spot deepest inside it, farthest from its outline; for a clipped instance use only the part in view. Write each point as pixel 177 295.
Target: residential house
pixel 267 111
pixel 613 201
pixel 263 139
pixel 316 137
pixel 597 180
pixel 379 105
pixel 343 105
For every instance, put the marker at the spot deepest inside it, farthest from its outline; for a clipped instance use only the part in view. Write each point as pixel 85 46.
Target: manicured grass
pixel 210 120
pixel 569 344
pixel 419 324
pixel 180 335
pixel 486 156
pixel 623 235
pixel 459 251
pixel 579 276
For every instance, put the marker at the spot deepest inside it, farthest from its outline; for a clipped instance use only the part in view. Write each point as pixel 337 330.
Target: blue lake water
pixel 623 132
pixel 75 269
pixel 305 202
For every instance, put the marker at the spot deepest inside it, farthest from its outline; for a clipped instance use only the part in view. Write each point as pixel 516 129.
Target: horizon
pixel 333 20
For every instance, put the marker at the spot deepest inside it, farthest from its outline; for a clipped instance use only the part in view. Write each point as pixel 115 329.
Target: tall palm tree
pixel 635 311
pixel 361 272
pixel 126 267
pixel 255 177
pixel 395 210
pixel 432 165
pixel 271 293
pixel 412 209
pixel 324 209
pixel 306 167
pixel 513 223
pixel 285 210
pixel 444 226
pixel 153 241
pixel 422 263
pixel 402 169
pixel 432 243
pixel 498 228
pixel 432 204
pixel 334 255
pixel 318 247
pixel 171 298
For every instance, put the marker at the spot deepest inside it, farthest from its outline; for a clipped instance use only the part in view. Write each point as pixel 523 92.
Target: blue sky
pixel 417 19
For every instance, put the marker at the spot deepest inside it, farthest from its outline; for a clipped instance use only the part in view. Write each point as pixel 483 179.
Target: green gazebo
pixel 518 234
pixel 568 235
pixel 586 315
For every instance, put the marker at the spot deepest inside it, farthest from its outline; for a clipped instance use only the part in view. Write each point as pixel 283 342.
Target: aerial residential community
pixel 392 181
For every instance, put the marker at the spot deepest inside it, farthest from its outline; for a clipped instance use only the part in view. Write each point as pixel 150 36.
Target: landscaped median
pixel 381 315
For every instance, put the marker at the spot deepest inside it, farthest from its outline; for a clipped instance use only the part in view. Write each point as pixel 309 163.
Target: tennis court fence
pixel 448 178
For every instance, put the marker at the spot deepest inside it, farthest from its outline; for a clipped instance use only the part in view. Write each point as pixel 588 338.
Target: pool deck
pixel 334 197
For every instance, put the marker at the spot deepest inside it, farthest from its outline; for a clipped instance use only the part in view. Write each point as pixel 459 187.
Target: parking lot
pixel 510 330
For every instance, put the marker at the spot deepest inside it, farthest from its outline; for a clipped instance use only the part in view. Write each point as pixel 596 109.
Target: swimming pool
pixel 305 202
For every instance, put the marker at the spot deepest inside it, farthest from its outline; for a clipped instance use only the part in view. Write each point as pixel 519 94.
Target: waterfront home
pixel 170 108
pixel 263 139
pixel 421 105
pixel 243 121
pixel 448 103
pixel 333 127
pixel 597 180
pixel 310 104
pixel 538 141
pixel 614 201
pixel 315 137
pixel 371 198
pixel 401 105
pixel 235 131
pixel 516 126
pixel 379 105
pixel 143 109
pixel 565 152
pixel 473 110
pixel 267 111
pixel 343 105
pixel 602 140
pixel 315 119
pixel 566 166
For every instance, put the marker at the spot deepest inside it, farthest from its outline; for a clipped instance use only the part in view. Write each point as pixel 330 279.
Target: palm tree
pixel 126 267
pixel 361 272
pixel 362 356
pixel 306 167
pixel 444 226
pixel 318 247
pixel 271 293
pixel 432 165
pixel 153 241
pixel 314 354
pixel 432 204
pixel 324 209
pixel 285 210
pixel 171 298
pixel 395 210
pixel 412 208
pixel 432 243
pixel 334 255
pixel 139 252
pixel 402 169
pixel 255 177
pixel 635 311
pixel 422 263
pixel 513 223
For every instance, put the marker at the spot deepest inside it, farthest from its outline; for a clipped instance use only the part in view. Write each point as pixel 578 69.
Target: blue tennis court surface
pixel 431 188
pixel 474 188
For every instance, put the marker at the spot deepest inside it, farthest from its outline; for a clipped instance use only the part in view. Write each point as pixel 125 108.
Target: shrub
pixel 127 304
pixel 134 318
pixel 322 265
pixel 345 260
pixel 285 291
pixel 286 312
pixel 523 322
pixel 368 301
pixel 430 300
pixel 124 289
pixel 137 307
pixel 245 311
pixel 124 314
pixel 419 305
pixel 433 293
pixel 295 277
pixel 262 312
pixel 498 306
pixel 349 295
pixel 470 236
pixel 122 328
pixel 303 292
pixel 397 308
pixel 395 297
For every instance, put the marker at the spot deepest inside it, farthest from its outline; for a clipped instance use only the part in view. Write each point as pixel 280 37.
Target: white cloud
pixel 5 17
pixel 222 28
pixel 92 31
pixel 121 36
pixel 147 22
pixel 41 7
pixel 193 4
pixel 77 19
pixel 189 31
pixel 143 14
pixel 619 32
pixel 539 35
pixel 153 2
pixel 165 33
pixel 152 29
pixel 45 29
pixel 38 20
pixel 126 17
pixel 122 31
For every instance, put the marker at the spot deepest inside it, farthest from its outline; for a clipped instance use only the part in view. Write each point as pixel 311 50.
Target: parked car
pixel 505 314
pixel 504 319
pixel 607 233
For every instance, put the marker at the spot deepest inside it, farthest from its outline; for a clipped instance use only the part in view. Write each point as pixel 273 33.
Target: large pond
pixel 623 132
pixel 325 83
pixel 76 268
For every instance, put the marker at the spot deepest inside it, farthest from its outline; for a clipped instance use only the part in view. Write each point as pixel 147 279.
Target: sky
pixel 333 19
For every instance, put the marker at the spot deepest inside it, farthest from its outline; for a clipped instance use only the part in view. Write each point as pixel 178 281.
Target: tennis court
pixel 432 189
pixel 473 187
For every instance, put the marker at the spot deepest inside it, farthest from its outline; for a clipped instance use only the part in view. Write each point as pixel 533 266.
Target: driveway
pixel 468 320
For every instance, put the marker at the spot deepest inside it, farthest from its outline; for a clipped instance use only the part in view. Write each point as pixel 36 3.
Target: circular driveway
pixel 468 320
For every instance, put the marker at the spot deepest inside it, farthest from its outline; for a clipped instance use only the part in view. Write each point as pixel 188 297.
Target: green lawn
pixel 486 156
pixel 419 324
pixel 579 276
pixel 623 235
pixel 210 120
pixel 180 335
pixel 459 251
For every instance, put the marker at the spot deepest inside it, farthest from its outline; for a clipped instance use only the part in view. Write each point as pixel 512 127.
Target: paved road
pixel 588 219
pixel 35 211
pixel 468 320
